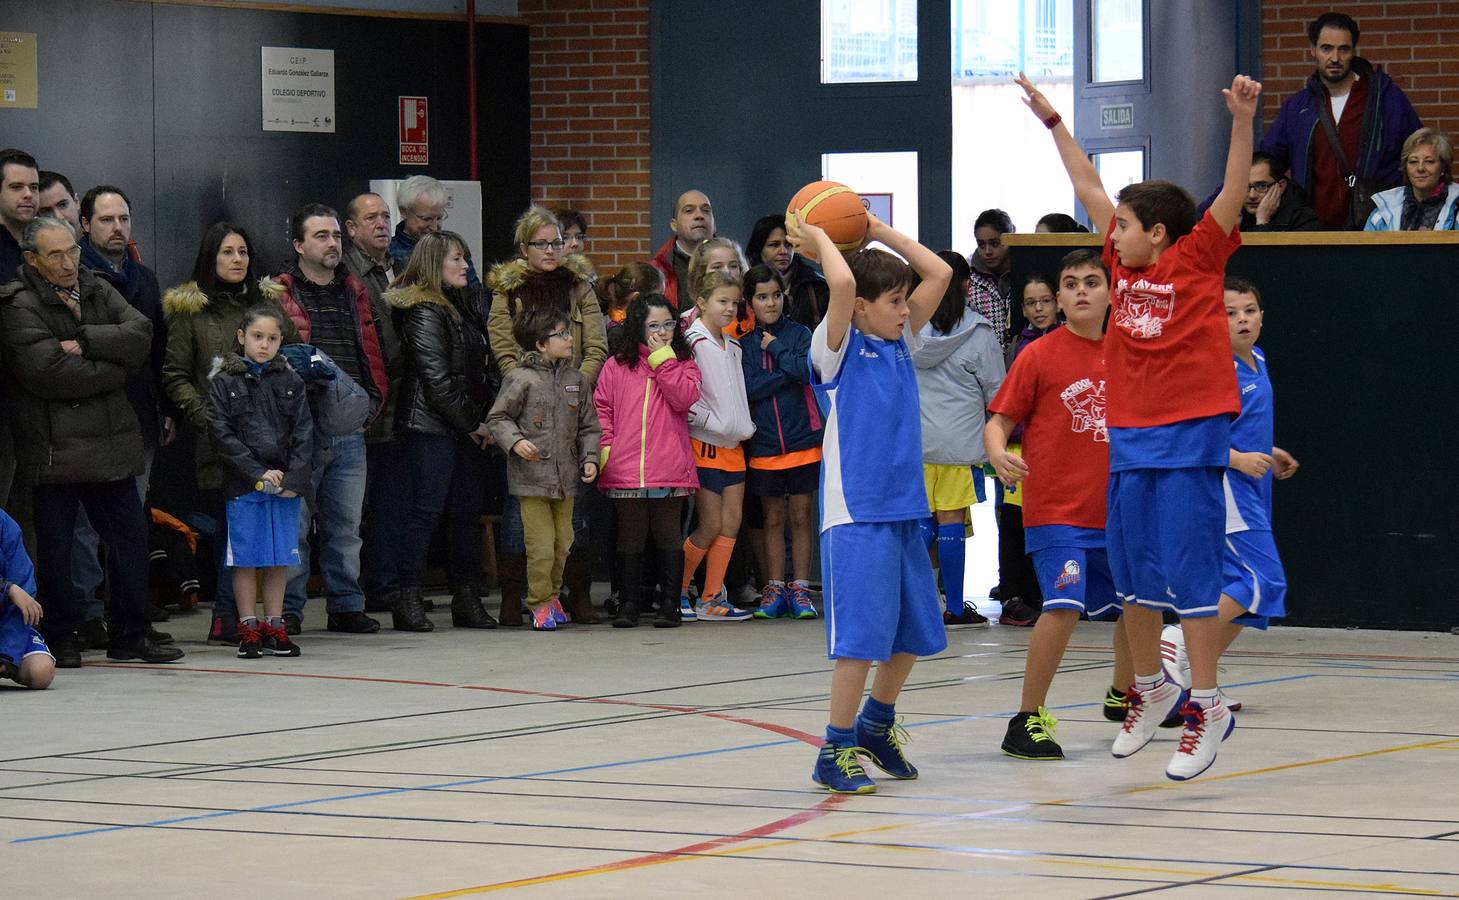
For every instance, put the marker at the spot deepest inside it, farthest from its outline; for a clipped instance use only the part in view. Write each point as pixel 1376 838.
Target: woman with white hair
pixel 1429 200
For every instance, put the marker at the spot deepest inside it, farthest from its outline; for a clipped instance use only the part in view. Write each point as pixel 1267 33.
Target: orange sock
pixel 719 557
pixel 693 556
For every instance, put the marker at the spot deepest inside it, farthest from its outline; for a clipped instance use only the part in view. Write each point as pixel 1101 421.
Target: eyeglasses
pixel 544 245
pixel 575 237
pixel 1038 301
pixel 72 253
pixel 430 220
pixel 1260 187
pixel 565 335
pixel 659 326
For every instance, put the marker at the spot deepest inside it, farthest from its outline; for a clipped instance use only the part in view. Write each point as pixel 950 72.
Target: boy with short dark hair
pixel 1172 394
pixel 881 602
pixel 1254 584
pixel 545 421
pixel 1056 389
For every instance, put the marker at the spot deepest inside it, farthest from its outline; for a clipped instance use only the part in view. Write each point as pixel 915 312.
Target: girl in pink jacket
pixel 643 398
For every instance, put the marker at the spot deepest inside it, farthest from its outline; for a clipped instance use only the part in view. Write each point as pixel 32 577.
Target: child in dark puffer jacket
pixel 261 427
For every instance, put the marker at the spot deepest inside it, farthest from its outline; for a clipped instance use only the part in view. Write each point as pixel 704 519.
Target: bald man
pixel 692 222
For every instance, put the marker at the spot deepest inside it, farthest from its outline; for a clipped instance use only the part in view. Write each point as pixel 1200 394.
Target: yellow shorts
pixel 948 487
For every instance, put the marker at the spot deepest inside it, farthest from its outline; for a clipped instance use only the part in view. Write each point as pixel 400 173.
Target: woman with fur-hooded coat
pixel 203 316
pixel 542 273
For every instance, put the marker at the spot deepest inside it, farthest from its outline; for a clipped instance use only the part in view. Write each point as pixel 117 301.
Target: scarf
pixel 1423 215
pixel 127 280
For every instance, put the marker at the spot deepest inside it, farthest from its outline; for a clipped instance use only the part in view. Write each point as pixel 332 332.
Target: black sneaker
pixel 67 651
pixel 158 637
pixel 223 631
pixel 157 613
pixel 968 618
pixel 1115 705
pixel 293 624
pixel 1018 613
pixel 275 640
pixel 250 641
pixel 93 635
pixel 1031 736
pixel 350 623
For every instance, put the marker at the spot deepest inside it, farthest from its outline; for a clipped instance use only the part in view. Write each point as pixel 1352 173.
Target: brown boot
pixel 513 577
pixel 577 574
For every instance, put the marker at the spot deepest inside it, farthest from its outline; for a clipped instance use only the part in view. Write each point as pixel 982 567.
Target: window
pixel 1118 168
pixel 997 39
pixel 868 40
pixel 1117 40
pixel 991 41
pixel 893 174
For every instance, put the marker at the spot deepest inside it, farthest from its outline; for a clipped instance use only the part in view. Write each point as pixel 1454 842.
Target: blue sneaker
pixel 719 609
pixel 774 602
pixel 882 744
pixel 801 606
pixel 839 771
pixel 686 610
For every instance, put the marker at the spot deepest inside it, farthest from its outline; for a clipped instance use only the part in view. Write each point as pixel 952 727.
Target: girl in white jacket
pixel 718 422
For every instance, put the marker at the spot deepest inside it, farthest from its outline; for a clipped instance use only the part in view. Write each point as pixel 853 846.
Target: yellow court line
pixel 1448 744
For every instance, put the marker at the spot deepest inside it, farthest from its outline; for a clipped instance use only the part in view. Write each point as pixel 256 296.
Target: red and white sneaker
pixel 1173 657
pixel 1146 711
pixel 1230 702
pixel 1205 729
pixel 558 613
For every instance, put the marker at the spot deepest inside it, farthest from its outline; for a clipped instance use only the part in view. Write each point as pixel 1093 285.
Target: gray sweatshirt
pixel 957 374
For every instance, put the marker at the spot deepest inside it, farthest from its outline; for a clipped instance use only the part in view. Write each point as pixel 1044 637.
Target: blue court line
pixel 589 768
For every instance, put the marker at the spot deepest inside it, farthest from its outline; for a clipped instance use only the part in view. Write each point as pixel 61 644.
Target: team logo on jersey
pixel 1143 307
pixel 869 354
pixel 1070 575
pixel 1085 401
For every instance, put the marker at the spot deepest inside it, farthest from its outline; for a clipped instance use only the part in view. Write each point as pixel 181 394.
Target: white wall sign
pixel 463 213
pixel 298 90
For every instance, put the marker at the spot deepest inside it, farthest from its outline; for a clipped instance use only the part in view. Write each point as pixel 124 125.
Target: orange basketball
pixel 835 209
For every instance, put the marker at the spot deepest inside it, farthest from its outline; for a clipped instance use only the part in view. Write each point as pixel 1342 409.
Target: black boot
pixel 408 613
pixel 577 575
pixel 671 574
pixel 627 613
pixel 467 611
pixel 513 578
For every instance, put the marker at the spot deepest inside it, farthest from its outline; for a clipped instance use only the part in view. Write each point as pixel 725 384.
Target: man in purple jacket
pixel 1369 112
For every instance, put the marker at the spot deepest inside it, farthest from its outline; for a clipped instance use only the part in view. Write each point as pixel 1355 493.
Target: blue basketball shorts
pixel 17 639
pixel 1077 578
pixel 878 591
pixel 1254 577
pixel 1166 534
pixel 263 531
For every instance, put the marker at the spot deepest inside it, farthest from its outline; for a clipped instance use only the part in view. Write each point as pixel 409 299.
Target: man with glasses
pixel 1273 203
pixel 70 342
pixel 422 201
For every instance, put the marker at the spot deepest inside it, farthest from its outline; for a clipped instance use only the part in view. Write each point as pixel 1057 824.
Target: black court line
pixel 1192 883
pixel 434 820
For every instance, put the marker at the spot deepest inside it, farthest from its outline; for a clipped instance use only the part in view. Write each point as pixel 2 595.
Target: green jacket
pixel 201 330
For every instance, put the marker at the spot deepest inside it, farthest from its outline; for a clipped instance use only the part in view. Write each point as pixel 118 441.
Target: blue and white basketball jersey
pixel 1249 500
pixel 871 455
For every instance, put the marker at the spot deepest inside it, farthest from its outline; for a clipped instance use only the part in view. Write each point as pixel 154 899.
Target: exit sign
pixel 1117 115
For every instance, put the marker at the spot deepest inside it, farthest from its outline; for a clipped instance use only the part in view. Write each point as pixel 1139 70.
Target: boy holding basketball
pixel 1171 396
pixel 881 603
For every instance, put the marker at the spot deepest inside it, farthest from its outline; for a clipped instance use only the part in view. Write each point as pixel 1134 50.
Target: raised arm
pixel 815 244
pixel 1082 174
pixel 935 274
pixel 1241 101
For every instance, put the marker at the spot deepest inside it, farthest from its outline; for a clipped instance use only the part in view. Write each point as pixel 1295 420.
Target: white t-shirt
pixel 1340 103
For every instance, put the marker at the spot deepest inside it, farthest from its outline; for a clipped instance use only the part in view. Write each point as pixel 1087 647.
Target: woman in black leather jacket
pixel 443 396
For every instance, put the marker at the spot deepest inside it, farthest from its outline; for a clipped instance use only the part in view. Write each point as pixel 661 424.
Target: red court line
pixel 826 805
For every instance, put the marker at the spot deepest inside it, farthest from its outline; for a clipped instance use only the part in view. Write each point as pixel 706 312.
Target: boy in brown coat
pixel 545 421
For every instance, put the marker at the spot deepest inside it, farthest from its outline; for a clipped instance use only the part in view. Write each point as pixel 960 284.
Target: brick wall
pixel 1417 43
pixel 590 125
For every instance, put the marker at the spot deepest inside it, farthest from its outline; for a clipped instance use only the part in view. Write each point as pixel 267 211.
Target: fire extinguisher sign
pixel 415 145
